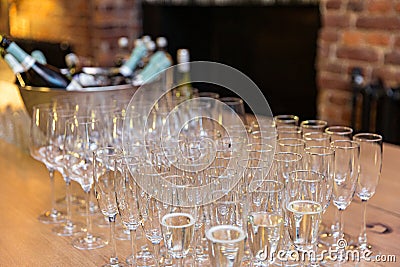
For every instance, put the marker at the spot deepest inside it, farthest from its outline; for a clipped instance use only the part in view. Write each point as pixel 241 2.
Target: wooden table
pixel 24 193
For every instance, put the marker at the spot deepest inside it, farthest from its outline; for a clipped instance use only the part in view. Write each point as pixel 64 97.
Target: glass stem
pixel 157 253
pixel 52 193
pixel 68 200
pixel 362 239
pixel 133 244
pixel 88 217
pixel 114 257
pixel 335 224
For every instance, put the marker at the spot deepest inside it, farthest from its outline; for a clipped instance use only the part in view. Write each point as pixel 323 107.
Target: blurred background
pixel 300 53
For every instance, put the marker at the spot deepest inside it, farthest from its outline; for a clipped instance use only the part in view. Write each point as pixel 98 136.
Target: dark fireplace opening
pixel 273 45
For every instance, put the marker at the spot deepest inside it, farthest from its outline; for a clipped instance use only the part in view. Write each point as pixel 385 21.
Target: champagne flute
pixel 370 171
pixel 226 245
pixel 38 145
pixel 104 176
pixel 305 197
pixel 127 192
pixel 347 168
pixel 265 220
pixel 83 136
pixel 309 126
pixel 56 153
pixel 178 233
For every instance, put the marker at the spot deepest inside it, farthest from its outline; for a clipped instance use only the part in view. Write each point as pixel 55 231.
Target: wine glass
pixel 56 153
pixel 226 245
pixel 178 233
pixel 104 176
pixel 237 105
pixel 127 191
pixel 38 145
pixel 370 171
pixel 346 174
pixel 265 220
pixel 83 136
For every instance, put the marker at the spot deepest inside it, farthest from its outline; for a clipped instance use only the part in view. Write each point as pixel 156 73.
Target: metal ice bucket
pixel 32 96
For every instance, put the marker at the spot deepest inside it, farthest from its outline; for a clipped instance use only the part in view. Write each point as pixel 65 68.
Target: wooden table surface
pixel 24 194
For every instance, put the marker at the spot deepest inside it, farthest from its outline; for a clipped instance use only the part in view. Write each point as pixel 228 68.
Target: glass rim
pixel 313 123
pixel 375 137
pixel 324 136
pixel 229 100
pixel 321 175
pixel 336 144
pixel 345 130
pixel 279 189
pixel 176 214
pixel 297 155
pixel 225 227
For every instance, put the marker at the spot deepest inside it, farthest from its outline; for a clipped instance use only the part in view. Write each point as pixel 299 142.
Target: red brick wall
pixel 362 33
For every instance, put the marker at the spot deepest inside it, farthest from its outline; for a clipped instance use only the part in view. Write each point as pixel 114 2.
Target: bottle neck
pixel 15 66
pixel 138 53
pixel 26 60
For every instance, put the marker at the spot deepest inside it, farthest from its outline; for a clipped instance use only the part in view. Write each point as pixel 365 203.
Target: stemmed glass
pixel 83 136
pixel 178 233
pixel 56 153
pixel 38 145
pixel 370 171
pixel 127 192
pixel 226 245
pixel 305 197
pixel 265 220
pixel 105 175
pixel 346 169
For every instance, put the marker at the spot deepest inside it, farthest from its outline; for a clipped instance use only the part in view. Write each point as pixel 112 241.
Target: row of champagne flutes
pixel 237 168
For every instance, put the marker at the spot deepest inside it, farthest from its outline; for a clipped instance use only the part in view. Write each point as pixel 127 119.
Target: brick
pixel 358 53
pixel 397 7
pixel 355 5
pixel 328 35
pixel 323 49
pixel 377 38
pixel 393 58
pixel 331 66
pixel 380 23
pixel 352 38
pixel 336 20
pixel 379 6
pixel 333 4
pixel 336 82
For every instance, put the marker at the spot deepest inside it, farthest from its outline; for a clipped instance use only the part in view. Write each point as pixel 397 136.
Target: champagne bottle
pixel 37 74
pixel 16 68
pixel 130 65
pixel 158 62
pixel 185 89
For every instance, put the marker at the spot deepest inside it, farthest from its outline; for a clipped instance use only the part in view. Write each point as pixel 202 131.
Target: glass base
pixel 327 240
pixel 51 217
pixel 75 200
pixel 69 229
pixel 88 242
